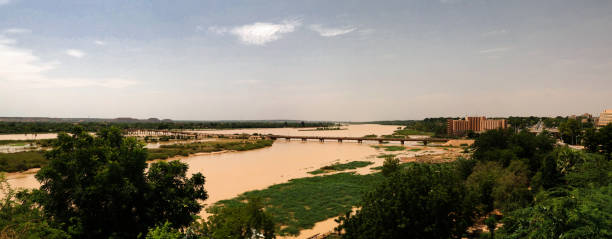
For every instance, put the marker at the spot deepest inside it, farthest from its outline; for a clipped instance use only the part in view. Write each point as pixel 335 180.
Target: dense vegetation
pixel 550 122
pixel 97 187
pixel 422 201
pixel 341 167
pixel 534 188
pixel 302 202
pixel 21 161
pixel 46 127
pixel 435 126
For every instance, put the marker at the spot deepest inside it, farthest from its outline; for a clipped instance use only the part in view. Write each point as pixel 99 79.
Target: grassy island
pixel 341 167
pixel 168 151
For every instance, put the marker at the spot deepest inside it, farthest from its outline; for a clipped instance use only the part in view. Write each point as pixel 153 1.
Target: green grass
pixel 300 203
pixel 341 167
pixel 15 162
pixel 414 150
pixel 168 151
pixel 384 156
pixel 389 148
pixel 371 136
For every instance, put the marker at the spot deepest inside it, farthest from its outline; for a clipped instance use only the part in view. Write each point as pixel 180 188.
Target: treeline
pixel 52 127
pixel 549 122
pixel 432 125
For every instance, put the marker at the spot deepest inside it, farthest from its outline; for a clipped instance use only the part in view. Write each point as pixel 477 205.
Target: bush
pixel 425 201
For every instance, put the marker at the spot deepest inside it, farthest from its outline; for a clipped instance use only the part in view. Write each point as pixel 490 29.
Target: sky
pixel 344 60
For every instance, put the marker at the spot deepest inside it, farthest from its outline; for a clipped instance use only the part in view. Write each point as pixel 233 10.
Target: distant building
pixel 604 118
pixel 476 124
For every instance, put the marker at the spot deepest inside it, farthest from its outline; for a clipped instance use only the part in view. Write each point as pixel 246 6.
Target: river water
pixel 229 174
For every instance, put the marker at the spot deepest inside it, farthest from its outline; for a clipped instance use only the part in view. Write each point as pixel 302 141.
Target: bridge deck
pixel 354 138
pixel 271 136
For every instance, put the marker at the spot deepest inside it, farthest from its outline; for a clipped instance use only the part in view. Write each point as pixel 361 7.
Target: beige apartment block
pixel 476 124
pixel 605 118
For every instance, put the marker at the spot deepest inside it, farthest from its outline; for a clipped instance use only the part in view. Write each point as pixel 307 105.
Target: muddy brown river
pixel 229 174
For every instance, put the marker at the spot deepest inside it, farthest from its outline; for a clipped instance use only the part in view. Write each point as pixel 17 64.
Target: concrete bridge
pixel 358 139
pixel 200 135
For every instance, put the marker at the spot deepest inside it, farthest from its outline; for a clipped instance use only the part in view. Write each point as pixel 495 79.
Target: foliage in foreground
pixel 241 220
pixel 578 213
pixel 97 187
pixel 20 217
pixel 421 201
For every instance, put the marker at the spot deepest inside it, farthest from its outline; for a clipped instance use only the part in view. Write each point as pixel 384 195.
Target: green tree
pixel 244 220
pixel 20 217
pixel 97 187
pixel 164 232
pixel 424 201
pixel 579 213
pixel 600 141
pixel 511 188
pixel 571 131
pixel 481 182
pixel 550 176
pixel 390 166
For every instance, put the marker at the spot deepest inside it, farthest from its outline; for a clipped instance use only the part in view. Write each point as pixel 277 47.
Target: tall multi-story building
pixel 604 118
pixel 475 124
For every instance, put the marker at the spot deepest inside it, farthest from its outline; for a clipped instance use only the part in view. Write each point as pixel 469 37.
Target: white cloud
pixel 21 68
pixel 331 32
pixel 16 30
pixel 75 53
pixel 99 43
pixel 494 50
pixel 258 33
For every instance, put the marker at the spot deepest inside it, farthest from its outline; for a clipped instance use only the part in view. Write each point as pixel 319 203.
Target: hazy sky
pixel 311 60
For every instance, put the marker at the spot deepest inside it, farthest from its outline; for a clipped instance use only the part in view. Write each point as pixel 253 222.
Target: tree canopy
pixel 98 187
pixel 422 201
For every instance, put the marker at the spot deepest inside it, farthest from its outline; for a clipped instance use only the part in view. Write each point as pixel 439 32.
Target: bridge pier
pixel 380 141
pixel 402 142
pixel 339 140
pixel 304 139
pixel 288 139
pixel 359 141
pixel 321 140
pixel 425 142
